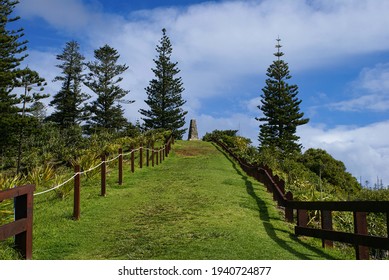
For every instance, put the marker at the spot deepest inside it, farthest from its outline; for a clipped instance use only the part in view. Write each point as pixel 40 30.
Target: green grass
pixel 197 204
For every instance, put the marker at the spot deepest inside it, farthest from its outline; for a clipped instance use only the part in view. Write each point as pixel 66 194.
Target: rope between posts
pixel 95 167
pixel 57 187
pixel 108 161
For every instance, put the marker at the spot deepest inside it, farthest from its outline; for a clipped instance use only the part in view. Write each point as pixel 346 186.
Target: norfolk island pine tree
pixel 281 109
pixel 164 93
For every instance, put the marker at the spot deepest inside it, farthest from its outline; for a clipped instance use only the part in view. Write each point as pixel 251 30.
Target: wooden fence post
pixel 387 224
pixel 132 162
pixel 275 195
pixel 160 155
pixel 24 209
pixel 140 157
pixel 76 206
pixel 157 160
pixel 103 175
pixel 302 217
pixel 120 166
pixel 152 156
pixel 288 210
pixel 326 223
pixel 360 227
pixel 147 157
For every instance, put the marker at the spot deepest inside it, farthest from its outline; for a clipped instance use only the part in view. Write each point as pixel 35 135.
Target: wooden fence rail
pixel 21 228
pixel 154 153
pixel 360 238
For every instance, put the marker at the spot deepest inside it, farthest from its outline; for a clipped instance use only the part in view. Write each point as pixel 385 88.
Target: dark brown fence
pixel 162 151
pixel 360 238
pixel 21 228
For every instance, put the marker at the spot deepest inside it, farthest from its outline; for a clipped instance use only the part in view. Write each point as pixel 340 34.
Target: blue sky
pixel 337 51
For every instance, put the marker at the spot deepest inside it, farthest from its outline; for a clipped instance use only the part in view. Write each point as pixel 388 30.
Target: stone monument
pixel 193 134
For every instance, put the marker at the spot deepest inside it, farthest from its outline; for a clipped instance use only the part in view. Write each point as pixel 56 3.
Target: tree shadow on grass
pixel 267 223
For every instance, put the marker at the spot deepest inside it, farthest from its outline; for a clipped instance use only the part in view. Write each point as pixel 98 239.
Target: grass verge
pixel 198 204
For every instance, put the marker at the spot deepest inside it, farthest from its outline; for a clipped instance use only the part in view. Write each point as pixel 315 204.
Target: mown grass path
pixel 197 204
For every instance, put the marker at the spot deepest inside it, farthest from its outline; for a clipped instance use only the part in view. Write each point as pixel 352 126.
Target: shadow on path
pixel 266 220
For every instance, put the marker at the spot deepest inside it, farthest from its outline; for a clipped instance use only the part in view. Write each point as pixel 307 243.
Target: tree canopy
pixel 280 108
pixel 106 111
pixel 12 53
pixel 69 101
pixel 164 93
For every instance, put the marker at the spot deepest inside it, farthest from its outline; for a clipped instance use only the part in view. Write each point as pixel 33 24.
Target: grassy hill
pixel 198 204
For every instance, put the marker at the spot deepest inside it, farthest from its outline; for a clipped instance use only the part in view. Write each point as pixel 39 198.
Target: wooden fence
pixel 156 155
pixel 360 238
pixel 21 228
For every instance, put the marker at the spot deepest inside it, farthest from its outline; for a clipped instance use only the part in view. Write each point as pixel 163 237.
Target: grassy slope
pixel 198 204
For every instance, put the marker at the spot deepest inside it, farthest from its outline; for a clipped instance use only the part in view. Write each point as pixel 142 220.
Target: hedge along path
pixel 197 205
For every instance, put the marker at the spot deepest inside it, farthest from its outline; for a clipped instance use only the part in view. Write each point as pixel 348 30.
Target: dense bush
pixel 51 154
pixel 314 175
pixel 330 170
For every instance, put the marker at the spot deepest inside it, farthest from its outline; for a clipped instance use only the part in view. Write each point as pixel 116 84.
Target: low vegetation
pixel 311 176
pixel 198 204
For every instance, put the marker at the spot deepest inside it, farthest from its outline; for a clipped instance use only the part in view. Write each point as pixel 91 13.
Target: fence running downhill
pixel 23 196
pixel 293 208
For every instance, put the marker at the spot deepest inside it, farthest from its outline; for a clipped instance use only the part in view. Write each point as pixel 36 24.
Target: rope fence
pixel 23 196
pixel 100 164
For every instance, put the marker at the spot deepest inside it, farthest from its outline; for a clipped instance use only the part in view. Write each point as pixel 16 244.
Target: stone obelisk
pixel 193 134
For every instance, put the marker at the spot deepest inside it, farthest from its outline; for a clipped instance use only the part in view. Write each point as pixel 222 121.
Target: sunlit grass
pixel 197 204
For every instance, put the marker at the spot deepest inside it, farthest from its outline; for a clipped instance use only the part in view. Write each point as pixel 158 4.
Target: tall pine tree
pixel 106 111
pixel 32 86
pixel 11 55
pixel 164 93
pixel 69 101
pixel 281 109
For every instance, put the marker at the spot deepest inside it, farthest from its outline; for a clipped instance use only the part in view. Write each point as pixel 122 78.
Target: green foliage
pixel 164 93
pixel 68 102
pixel 171 213
pixel 65 190
pixel 106 111
pixel 314 175
pixel 241 146
pixel 219 135
pixel 281 110
pixel 330 170
pixel 11 55
pixel 300 172
pixel 7 252
pixel 40 176
pixel 32 86
pixel 7 181
pixel 55 145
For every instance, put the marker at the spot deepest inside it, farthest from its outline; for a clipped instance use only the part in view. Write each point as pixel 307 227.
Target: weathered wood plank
pixel 351 238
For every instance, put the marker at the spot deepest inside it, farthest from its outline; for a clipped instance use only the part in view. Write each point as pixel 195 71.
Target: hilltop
pixel 198 204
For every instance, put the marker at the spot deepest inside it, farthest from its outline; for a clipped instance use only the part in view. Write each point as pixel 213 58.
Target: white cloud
pixel 371 90
pixel 364 150
pixel 252 105
pixel 69 14
pixel 218 44
pixel 247 126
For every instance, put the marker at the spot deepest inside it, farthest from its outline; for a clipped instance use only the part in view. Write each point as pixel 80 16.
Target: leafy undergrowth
pixel 198 204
